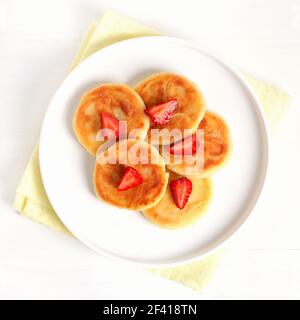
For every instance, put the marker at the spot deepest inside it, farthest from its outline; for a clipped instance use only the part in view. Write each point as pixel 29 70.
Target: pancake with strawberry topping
pixel 216 149
pixel 130 174
pixel 172 102
pixel 103 108
pixel 184 201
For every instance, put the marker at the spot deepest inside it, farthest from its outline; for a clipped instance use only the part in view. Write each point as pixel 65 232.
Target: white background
pixel 37 42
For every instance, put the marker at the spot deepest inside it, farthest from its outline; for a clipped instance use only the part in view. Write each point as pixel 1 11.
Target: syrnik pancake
pixel 108 175
pixel 166 215
pixel 217 148
pixel 118 100
pixel 163 87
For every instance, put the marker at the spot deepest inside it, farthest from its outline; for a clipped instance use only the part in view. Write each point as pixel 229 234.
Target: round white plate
pixel 67 169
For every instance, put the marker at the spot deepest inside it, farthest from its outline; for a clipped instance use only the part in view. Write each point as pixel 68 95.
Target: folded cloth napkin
pixel 31 199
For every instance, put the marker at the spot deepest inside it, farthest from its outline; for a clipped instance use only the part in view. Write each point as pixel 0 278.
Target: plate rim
pixel 246 213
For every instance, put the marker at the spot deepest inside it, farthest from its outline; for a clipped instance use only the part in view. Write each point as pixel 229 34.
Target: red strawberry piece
pixel 181 190
pixel 130 179
pixel 161 113
pixel 109 122
pixel 186 146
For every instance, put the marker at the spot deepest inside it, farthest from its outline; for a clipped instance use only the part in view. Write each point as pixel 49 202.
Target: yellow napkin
pixel 31 199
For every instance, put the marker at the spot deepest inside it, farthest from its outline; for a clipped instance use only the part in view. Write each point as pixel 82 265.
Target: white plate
pixel 67 169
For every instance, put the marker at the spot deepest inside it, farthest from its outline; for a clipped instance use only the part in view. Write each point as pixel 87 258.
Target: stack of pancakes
pixel 153 197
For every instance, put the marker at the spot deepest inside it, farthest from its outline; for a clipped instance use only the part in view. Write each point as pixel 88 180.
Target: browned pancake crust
pixel 165 86
pixel 117 99
pixel 166 215
pixel 217 141
pixel 217 147
pixel 147 194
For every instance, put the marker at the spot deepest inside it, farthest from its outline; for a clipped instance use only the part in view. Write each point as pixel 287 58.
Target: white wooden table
pixel 37 42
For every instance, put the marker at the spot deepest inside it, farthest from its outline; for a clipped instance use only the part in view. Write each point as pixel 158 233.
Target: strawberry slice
pixel 109 122
pixel 186 146
pixel 161 113
pixel 130 179
pixel 181 190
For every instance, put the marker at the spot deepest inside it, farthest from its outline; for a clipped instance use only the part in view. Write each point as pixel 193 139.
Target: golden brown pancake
pixel 108 176
pixel 163 87
pixel 217 148
pixel 166 215
pixel 120 101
